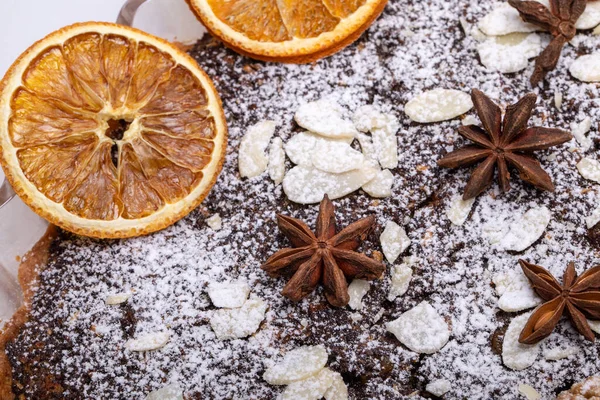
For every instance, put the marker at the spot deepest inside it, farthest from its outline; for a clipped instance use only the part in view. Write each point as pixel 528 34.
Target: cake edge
pixel 29 269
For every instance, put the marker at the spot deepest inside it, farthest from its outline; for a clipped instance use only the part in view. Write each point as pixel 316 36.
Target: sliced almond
pixel 338 389
pixel 438 105
pixel 324 117
pixel 238 322
pixel 439 387
pixel 529 392
pixel 152 341
pixel 215 222
pixel 524 231
pixel 169 392
pixel 117 298
pixel 381 185
pixel 368 117
pixel 586 68
pixel 393 241
pixel 401 277
pixel 312 388
pixel 510 53
pixel 590 17
pixel 503 20
pixel 459 210
pixel 300 148
pixel 276 165
pixel 297 365
pixel 589 169
pixel 421 329
pixel 385 143
pixel 593 218
pixel 308 185
pixel 515 355
pixel 357 290
pixel 252 160
pixel 228 294
pixel 516 293
pixel 579 130
pixel 336 157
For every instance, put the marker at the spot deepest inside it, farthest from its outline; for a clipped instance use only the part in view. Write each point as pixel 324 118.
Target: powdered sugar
pixel 170 270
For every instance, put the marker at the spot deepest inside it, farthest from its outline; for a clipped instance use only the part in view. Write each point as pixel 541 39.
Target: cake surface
pixel 72 347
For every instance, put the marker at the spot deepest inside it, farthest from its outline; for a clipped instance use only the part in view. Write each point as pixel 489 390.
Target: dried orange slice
pixel 287 30
pixel 107 131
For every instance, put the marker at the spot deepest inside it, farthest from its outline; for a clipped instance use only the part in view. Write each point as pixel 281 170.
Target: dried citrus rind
pixel 287 30
pixel 110 132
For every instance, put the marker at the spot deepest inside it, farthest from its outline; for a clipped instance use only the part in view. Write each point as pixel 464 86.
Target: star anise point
pixel 559 20
pixel 325 256
pixel 502 143
pixel 578 297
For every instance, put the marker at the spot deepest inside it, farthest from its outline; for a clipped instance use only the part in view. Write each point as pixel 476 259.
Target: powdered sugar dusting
pixel 414 47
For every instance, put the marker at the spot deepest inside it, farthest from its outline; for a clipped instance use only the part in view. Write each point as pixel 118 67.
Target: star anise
pixel 579 297
pixel 503 144
pixel 559 20
pixel 324 256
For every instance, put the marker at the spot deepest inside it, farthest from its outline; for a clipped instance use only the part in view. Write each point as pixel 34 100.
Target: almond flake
pixel 169 392
pixel 336 157
pixel 229 294
pixel 385 143
pixel 324 117
pixel 117 298
pixel 381 185
pixel 559 352
pixel 586 68
pixel 276 165
pixel 516 293
pixel 338 389
pixel 590 17
pixel 297 365
pixel 504 19
pixel 152 341
pixel 510 53
pixel 301 147
pixel 558 99
pixel 439 387
pixel 401 277
pixel 312 388
pixel 438 105
pixel 579 131
pixel 529 392
pixel 589 169
pixel 367 147
pixel 238 322
pixel 357 290
pixel 459 210
pixel 470 120
pixel 593 219
pixel 393 241
pixel 594 325
pixel 526 230
pixel 215 222
pixel 596 30
pixel 368 117
pixel 515 355
pixel 421 329
pixel 252 159
pixel 308 185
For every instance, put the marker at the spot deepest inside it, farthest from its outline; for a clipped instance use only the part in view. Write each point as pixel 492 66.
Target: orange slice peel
pixel 107 131
pixel 287 30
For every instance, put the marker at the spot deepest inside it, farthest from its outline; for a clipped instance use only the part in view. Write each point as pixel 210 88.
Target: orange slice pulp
pixel 108 131
pixel 287 30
